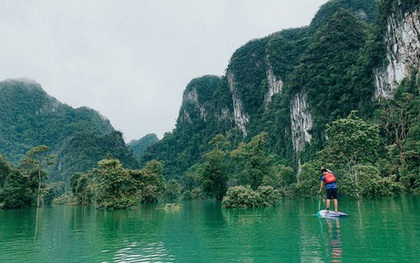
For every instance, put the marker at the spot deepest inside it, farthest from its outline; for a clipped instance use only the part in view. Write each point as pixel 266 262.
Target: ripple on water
pixel 151 252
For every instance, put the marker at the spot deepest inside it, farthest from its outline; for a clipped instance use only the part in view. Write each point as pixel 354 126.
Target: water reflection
pixel 36 223
pixel 334 237
pixel 202 231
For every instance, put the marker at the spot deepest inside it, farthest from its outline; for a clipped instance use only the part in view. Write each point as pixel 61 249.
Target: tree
pixel 115 186
pixel 37 160
pixel 214 173
pixel 395 123
pixel 280 178
pixel 18 191
pixel 372 183
pixel 244 197
pixel 192 183
pixel 399 120
pixel 81 188
pixel 310 176
pixel 5 170
pixel 253 160
pixel 351 143
pixel 150 182
pixel 241 197
pixel 173 190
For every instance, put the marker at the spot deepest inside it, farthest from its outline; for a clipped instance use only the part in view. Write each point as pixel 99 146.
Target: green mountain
pixel 140 146
pixel 79 138
pixel 200 118
pixel 293 83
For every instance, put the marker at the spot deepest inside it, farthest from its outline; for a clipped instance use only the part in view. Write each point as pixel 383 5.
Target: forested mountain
pixel 342 92
pixel 140 146
pixel 79 138
pixel 292 84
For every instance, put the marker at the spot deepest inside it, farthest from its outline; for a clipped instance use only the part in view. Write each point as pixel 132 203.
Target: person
pixel 331 188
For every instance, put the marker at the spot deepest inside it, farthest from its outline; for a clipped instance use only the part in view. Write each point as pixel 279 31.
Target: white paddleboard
pixel 331 214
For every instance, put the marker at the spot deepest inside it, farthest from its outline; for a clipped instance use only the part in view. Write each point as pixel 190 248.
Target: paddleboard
pixel 331 214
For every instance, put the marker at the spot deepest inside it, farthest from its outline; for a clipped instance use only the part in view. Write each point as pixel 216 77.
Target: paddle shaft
pixel 319 203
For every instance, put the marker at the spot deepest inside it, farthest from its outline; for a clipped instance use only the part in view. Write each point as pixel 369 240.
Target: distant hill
pixel 140 146
pixel 78 137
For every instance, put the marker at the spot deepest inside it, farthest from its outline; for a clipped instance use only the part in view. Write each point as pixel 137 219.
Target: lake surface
pixel 379 230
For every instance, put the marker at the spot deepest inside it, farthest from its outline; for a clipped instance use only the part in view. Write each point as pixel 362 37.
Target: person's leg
pixel 329 197
pixel 334 196
pixel 328 205
pixel 336 205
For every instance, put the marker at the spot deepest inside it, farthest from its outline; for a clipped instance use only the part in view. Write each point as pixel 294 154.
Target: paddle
pixel 319 202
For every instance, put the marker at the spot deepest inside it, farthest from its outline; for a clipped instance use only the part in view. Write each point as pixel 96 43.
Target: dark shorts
pixel 332 193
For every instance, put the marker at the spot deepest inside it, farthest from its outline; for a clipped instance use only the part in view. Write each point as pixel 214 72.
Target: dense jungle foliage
pixel 79 138
pixel 332 61
pixel 109 185
pixel 372 146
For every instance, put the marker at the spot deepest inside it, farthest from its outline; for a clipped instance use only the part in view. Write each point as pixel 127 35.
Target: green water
pixel 380 230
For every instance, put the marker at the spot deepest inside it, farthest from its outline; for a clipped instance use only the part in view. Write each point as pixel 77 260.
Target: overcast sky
pixel 132 59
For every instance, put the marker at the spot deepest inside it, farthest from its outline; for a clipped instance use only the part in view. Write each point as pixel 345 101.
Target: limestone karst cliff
pixel 292 83
pixel 402 40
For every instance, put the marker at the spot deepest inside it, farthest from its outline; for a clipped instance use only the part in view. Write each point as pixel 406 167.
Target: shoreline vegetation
pixel 248 176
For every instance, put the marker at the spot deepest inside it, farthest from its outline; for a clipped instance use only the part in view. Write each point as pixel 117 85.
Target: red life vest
pixel 329 178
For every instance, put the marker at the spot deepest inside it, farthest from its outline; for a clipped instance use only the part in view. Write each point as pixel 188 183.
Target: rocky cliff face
pixel 301 121
pixel 402 39
pixel 199 102
pixel 191 97
pixel 241 118
pixel 275 85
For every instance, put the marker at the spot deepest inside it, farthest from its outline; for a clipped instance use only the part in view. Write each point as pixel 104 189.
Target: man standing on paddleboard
pixel 328 178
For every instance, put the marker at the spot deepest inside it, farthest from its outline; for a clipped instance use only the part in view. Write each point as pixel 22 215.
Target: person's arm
pixel 322 168
pixel 320 188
